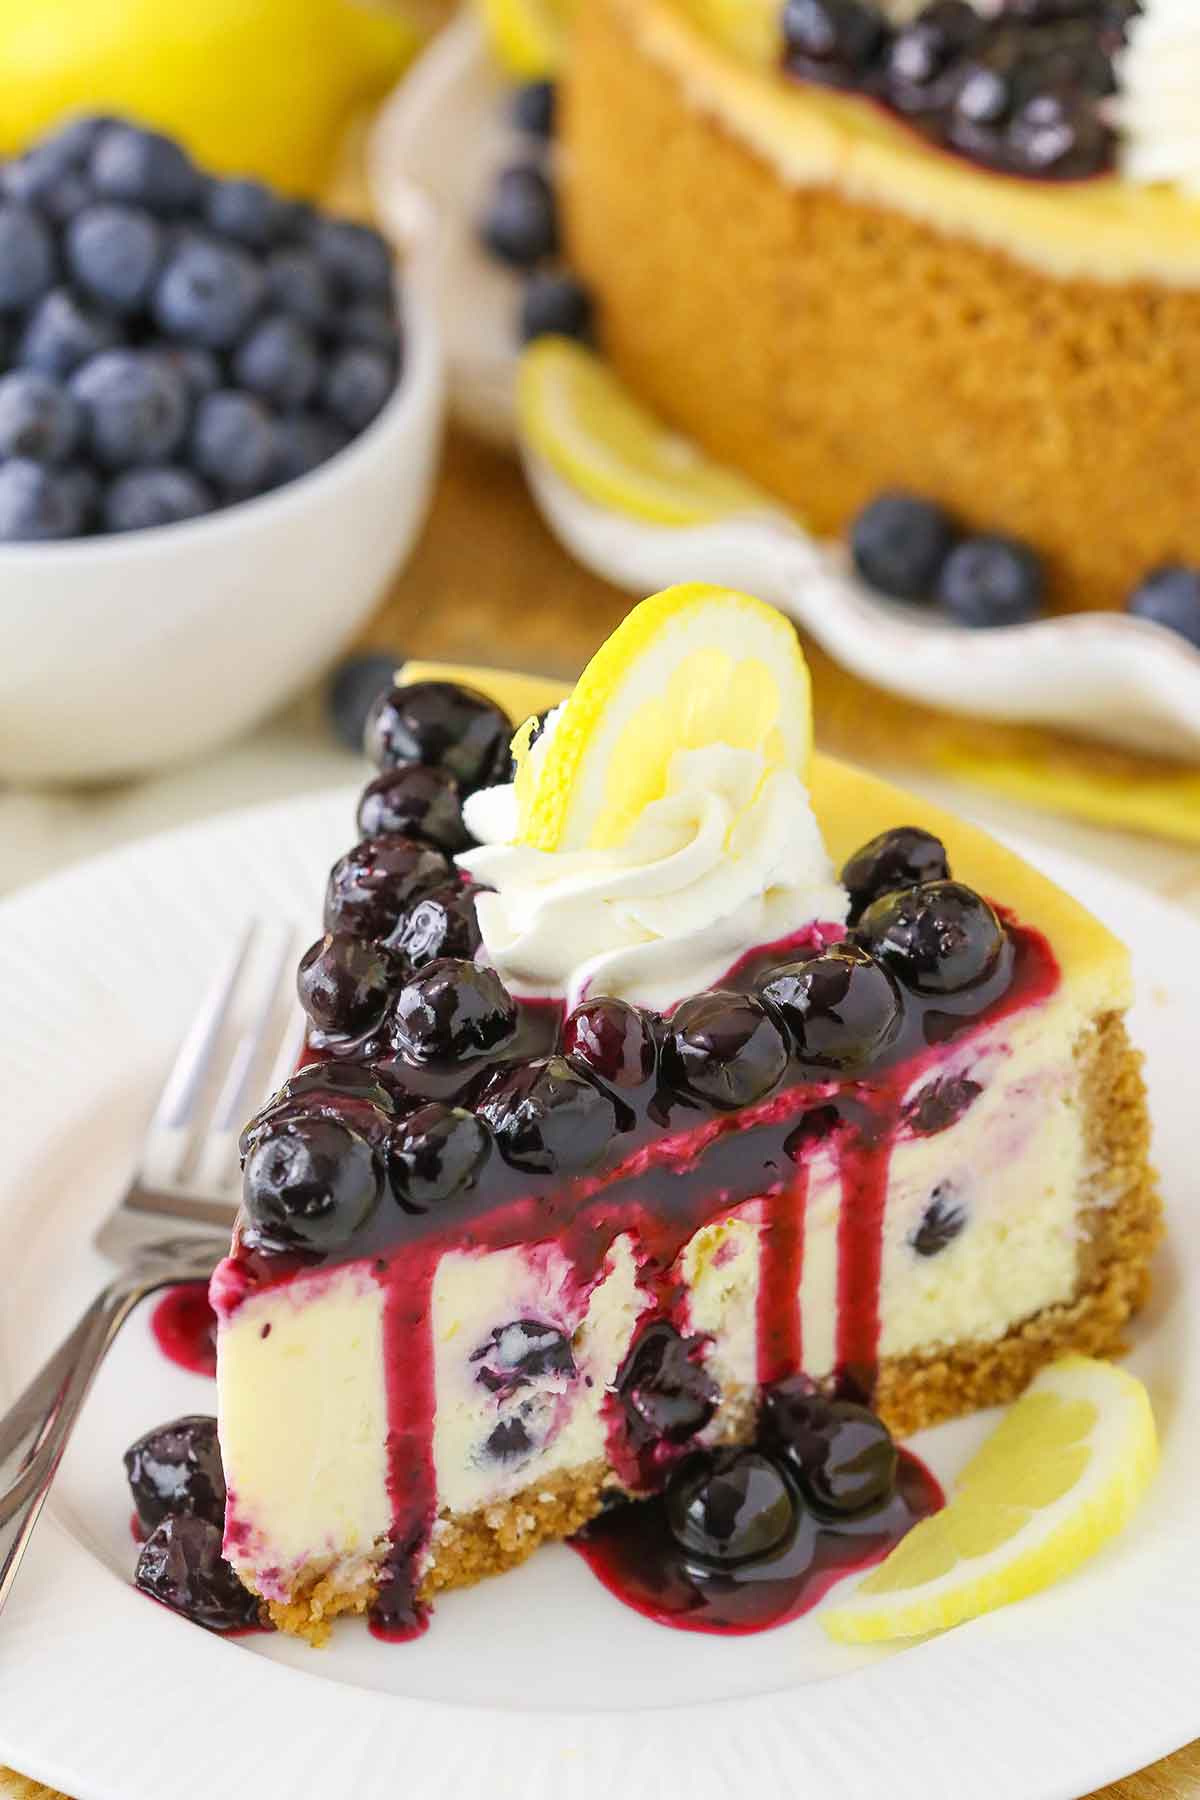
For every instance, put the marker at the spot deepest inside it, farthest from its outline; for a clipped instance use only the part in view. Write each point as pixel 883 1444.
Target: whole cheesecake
pixel 642 1109
pixel 842 268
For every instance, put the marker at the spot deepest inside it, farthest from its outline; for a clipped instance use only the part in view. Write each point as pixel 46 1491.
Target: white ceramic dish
pixel 124 654
pixel 1119 680
pixel 539 1686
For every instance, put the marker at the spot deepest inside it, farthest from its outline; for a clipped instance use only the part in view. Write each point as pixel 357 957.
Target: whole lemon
pixel 252 87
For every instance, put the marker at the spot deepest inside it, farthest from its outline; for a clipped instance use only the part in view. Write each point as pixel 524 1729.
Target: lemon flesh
pixel 578 417
pixel 689 668
pixel 1061 1475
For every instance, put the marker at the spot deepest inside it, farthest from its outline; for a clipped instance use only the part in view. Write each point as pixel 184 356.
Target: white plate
pixel 1121 680
pixel 539 1686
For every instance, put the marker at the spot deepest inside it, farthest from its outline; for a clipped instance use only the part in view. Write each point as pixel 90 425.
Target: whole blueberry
pixel 520 225
pixel 451 1011
pixel 208 293
pixel 27 258
pixel 353 689
pixel 344 984
pixel 992 580
pixel 38 504
pixel 135 407
pixel 729 1506
pixel 835 41
pixel 245 210
pixel 303 442
pixel 309 1184
pixel 841 1454
pixel 233 441
pixel 923 50
pixel 63 333
pixel 297 284
pixel 416 801
pixel 444 725
pixel 533 108
pixel 937 939
pixel 148 498
pixel 46 181
pixel 842 1008
pixel 113 254
pixel 372 887
pixel 38 418
pixel 74 141
pixel 143 168
pixel 200 370
pixel 357 384
pixel 666 1392
pixel 87 491
pixel 350 1093
pixel 548 1118
pixel 444 923
pixel 279 361
pixel 904 856
pixel 724 1048
pixel 176 1469
pixel 356 258
pixel 435 1154
pixel 613 1039
pixel 899 543
pixel 555 304
pixel 181 1565
pixel 1170 596
pixel 375 326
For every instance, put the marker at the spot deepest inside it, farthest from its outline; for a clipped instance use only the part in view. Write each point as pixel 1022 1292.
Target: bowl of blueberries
pixel 219 417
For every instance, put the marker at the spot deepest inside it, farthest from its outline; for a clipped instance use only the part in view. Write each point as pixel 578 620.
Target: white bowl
pixel 121 654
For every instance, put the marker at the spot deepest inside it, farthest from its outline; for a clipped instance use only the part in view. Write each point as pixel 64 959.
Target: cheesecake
pixel 654 1063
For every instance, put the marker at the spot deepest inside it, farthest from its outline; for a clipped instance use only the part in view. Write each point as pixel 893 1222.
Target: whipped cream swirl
pixel 1158 109
pixel 730 858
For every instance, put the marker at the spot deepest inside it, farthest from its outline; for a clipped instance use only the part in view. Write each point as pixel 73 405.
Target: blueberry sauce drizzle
pixel 185 1328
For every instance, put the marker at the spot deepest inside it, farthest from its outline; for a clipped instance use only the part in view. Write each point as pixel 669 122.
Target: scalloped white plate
pixel 539 1686
pixel 1120 680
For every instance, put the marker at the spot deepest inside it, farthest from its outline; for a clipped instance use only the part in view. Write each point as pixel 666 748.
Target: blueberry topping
pixel 899 544
pixel 357 260
pixel 533 108
pixel 37 504
pixel 175 1470
pixel 354 687
pixel 519 1354
pixel 337 1080
pixel 922 52
pixel 233 441
pixel 309 1184
pixel 729 1506
pixel 614 1040
pixel 940 1104
pixel 451 1010
pixel 904 857
pixel 134 406
pixel 555 304
pixel 145 499
pixel 988 581
pixel 208 293
pixel 833 41
pixel 350 1093
pixel 63 333
pixel 521 222
pixel 444 923
pixel 38 418
pixel 841 1454
pixel 27 259
pixel 247 211
pixel 344 983
pixel 841 1008
pixel 666 1393
pixel 143 168
pixel 181 1565
pixel 1170 596
pixel 415 801
pixel 278 361
pixel 937 939
pixel 444 725
pixel 437 1153
pixel 372 886
pixel 941 1222
pixel 724 1048
pixel 549 1119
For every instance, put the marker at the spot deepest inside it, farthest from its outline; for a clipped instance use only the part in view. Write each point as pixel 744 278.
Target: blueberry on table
pixel 309 1184
pixel 372 887
pixel 899 543
pixel 444 923
pixel 842 1456
pixel 208 293
pixel 548 1118
pixel 247 211
pixel 278 360
pixel 357 384
pixel 27 258
pixel 38 418
pixel 135 407
pixel 415 800
pixel 344 984
pixel 724 1048
pixel 613 1039
pixel 938 939
pixel 729 1506
pixel 991 580
pixel 353 689
pixel 38 504
pixel 533 108
pixel 450 1011
pixel 903 857
pixel 357 259
pixel 232 441
pixel 298 284
pixel 520 225
pixel 176 1469
pixel 555 304
pixel 148 498
pixel 841 1008
pixel 666 1392
pixel 63 333
pixel 1170 596
pixel 144 168
pixel 435 1154
pixel 181 1565
pixel 834 41
pixel 113 255
pixel 440 723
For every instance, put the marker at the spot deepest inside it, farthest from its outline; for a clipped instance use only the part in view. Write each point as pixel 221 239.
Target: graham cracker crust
pixel 1122 1224
pixel 831 348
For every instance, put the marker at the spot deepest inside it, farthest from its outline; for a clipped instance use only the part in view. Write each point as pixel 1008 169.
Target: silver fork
pixel 187 1174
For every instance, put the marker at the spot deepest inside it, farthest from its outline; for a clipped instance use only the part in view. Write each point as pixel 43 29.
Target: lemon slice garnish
pixel 1061 1475
pixel 689 668
pixel 528 37
pixel 576 415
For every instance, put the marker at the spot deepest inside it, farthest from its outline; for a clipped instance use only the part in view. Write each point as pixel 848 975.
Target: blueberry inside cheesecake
pixel 664 1081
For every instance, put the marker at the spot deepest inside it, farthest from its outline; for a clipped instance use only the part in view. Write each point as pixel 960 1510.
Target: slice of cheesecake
pixel 599 1140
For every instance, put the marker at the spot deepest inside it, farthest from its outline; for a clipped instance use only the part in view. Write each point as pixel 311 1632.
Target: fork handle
pixel 35 1431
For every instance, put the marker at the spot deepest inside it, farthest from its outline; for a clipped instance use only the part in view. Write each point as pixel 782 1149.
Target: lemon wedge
pixel 577 416
pixel 1061 1475
pixel 528 37
pixel 688 668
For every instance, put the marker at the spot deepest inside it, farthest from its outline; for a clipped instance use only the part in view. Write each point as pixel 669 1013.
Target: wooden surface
pixel 488 583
